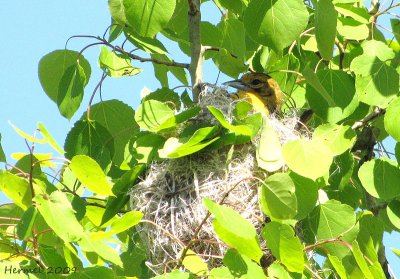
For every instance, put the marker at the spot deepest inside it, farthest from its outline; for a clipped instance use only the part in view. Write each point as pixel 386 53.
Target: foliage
pixel 324 194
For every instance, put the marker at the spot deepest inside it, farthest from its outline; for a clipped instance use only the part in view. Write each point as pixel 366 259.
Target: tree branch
pixel 196 50
pixel 376 113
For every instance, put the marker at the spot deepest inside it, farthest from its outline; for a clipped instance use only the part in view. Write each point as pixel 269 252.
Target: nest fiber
pixel 171 194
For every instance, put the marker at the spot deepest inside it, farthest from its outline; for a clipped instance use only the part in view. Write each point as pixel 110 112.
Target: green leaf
pixel 232 36
pixel 275 24
pixel 119 120
pixel 146 146
pixel 195 264
pixel 370 236
pixel 228 64
pixel 71 90
pixel 2 155
pixel 391 119
pixel 329 221
pixel 359 257
pixel 179 147
pixel 49 138
pixel 338 266
pixel 53 66
pixel 241 266
pixel 92 139
pixel 59 215
pixel 176 274
pixel 395 23
pixel 149 45
pixel 244 132
pixel 51 257
pixel 87 244
pixel 314 81
pixel 269 150
pixel 352 29
pixel 325 27
pixel 234 230
pixel 377 83
pixel 234 6
pixel 286 80
pixel 117 11
pixel 148 17
pixel 91 175
pixel 165 95
pixel 161 71
pixel 121 224
pixel 340 88
pixel 278 199
pixel 25 135
pixel 393 212
pixel 276 270
pixel 151 114
pixel 396 251
pixel 378 49
pixel 309 158
pixel 16 188
pixel 241 109
pixel 284 245
pixel 341 171
pixel 116 65
pixel 220 272
pixel 306 195
pixel 155 116
pixel 25 225
pixel 380 178
pixel 339 138
pixel 358 13
pixel 120 189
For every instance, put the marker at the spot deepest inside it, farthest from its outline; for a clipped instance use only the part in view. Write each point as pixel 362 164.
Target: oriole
pixel 260 90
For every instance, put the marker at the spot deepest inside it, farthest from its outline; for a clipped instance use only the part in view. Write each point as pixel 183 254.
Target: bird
pixel 260 90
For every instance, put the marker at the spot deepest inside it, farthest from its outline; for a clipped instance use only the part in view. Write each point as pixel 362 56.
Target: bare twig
pixel 376 113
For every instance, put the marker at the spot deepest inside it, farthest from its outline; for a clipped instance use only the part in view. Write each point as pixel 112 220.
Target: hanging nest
pixel 171 194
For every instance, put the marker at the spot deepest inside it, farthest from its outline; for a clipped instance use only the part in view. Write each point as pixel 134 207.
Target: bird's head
pixel 262 85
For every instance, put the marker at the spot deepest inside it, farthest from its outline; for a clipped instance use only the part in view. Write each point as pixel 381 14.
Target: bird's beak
pixel 238 84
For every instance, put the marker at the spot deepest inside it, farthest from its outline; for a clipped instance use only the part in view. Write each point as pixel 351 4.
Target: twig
pixel 212 48
pixel 103 77
pixel 376 113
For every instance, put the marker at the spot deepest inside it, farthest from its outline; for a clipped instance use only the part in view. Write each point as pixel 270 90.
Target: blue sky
pixel 30 30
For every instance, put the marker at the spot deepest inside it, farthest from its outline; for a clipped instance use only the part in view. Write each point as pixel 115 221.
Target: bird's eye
pixel 256 82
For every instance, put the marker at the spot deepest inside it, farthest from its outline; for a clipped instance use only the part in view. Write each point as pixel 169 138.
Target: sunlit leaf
pixel 148 17
pixel 325 27
pixel 284 245
pixel 57 210
pixel 269 150
pixel 16 188
pixel 234 230
pixel 339 138
pixel 309 158
pixel 91 175
pixel 275 24
pixel 380 178
pixel 116 65
pixel 195 264
pixel 278 199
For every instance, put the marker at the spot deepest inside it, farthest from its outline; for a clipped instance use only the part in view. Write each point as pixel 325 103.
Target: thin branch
pixel 142 59
pixel 376 113
pixel 212 48
pixel 103 77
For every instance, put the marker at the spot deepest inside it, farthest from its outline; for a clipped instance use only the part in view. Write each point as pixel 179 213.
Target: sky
pixel 30 30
